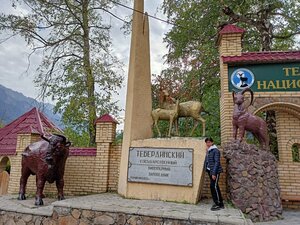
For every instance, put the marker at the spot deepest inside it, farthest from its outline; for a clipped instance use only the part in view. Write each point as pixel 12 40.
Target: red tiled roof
pixel 231 29
pixel 106 118
pixel 6 152
pixel 263 57
pixel 28 130
pixel 83 151
pixel 31 122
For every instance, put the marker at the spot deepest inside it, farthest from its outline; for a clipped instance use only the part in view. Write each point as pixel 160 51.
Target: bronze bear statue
pixel 46 159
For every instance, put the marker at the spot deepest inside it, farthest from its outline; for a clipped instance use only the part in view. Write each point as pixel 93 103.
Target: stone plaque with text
pixel 172 166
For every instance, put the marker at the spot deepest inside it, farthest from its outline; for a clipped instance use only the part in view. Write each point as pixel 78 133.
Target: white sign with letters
pixel 172 166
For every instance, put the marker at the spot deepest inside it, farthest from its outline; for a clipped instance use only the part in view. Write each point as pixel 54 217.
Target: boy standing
pixel 213 168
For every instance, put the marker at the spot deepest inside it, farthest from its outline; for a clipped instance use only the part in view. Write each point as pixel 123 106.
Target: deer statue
pixel 186 109
pixel 165 114
pixel 243 121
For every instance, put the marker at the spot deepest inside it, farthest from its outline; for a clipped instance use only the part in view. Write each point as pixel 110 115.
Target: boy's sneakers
pixel 217 207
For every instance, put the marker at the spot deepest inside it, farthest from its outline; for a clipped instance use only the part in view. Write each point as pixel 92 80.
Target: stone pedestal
pixel 188 192
pixel 252 180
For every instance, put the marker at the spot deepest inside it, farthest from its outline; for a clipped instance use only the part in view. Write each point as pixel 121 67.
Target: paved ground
pixel 11 204
pixel 114 203
pixel 291 217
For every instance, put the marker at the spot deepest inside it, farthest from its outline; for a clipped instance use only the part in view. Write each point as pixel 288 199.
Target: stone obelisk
pixel 138 119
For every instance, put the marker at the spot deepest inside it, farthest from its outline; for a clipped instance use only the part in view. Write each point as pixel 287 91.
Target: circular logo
pixel 242 78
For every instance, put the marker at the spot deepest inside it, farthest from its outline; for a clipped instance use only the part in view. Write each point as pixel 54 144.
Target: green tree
pixel 275 22
pixel 78 70
pixel 270 24
pixel 185 87
pixel 77 139
pixel 191 42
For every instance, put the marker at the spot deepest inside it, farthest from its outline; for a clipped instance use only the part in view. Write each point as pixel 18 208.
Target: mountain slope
pixel 13 104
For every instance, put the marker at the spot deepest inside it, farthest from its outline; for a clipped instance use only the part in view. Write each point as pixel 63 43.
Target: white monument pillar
pixel 181 158
pixel 138 119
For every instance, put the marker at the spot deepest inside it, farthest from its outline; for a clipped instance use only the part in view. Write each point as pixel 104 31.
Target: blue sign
pixel 242 78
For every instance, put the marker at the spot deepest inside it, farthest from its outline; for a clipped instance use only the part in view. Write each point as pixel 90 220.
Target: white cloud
pixel 16 73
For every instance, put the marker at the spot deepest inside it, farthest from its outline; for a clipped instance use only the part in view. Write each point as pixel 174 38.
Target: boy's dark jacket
pixel 212 161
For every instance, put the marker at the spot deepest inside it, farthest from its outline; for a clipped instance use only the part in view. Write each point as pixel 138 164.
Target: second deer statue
pixel 165 114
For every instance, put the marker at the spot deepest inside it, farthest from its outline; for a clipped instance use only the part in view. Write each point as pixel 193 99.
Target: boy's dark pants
pixel 215 190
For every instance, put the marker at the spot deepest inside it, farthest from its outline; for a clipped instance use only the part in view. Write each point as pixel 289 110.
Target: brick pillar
pixel 105 135
pixel 230 44
pixel 23 140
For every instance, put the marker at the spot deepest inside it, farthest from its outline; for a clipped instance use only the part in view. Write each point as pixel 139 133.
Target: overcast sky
pixel 14 52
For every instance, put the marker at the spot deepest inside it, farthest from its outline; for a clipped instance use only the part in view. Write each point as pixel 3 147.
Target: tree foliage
pixel 269 25
pixel 77 139
pixel 185 87
pixel 78 70
pixel 271 22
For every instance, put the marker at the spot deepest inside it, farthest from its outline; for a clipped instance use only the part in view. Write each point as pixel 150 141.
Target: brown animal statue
pixel 243 121
pixel 165 114
pixel 46 159
pixel 186 109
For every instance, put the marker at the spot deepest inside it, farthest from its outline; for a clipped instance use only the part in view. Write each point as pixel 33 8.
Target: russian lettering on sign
pixel 172 166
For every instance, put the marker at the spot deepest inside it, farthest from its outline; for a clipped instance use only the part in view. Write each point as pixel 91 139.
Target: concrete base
pixel 171 192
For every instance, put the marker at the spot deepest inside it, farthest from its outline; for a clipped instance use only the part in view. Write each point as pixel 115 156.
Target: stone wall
pixel 68 216
pixel 253 181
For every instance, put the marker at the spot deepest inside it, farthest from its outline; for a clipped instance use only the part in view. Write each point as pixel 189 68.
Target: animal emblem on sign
pixel 243 79
pixel 46 159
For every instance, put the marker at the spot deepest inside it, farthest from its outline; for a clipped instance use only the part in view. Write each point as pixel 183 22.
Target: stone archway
pixel 4 175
